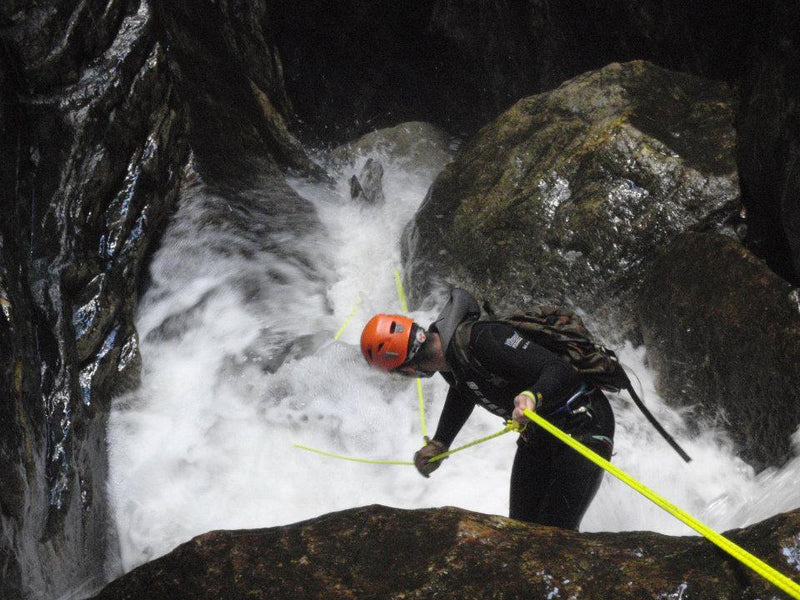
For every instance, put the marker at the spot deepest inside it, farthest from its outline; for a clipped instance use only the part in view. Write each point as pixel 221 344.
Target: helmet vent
pixel 396 327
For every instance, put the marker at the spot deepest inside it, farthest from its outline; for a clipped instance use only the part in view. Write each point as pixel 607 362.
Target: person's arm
pixel 455 413
pixel 512 356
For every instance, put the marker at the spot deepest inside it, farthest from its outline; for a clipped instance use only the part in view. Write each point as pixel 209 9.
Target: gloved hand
pixel 423 455
pixel 525 402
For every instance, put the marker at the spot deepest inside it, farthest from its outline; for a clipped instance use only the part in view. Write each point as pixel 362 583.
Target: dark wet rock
pixel 368 187
pixel 270 351
pixel 355 187
pixel 567 194
pixel 380 552
pixel 421 147
pixel 769 147
pixel 229 73
pixel 723 333
pixel 93 143
pixel 459 63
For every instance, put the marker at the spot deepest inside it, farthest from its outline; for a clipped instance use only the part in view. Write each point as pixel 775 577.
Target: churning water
pixel 237 336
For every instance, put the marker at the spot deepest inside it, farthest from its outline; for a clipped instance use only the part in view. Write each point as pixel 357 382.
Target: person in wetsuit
pixel 489 363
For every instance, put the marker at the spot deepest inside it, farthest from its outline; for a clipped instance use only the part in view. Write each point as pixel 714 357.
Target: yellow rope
pixel 354 459
pixel 510 426
pixel 760 567
pixel 421 408
pixel 398 282
pixel 349 318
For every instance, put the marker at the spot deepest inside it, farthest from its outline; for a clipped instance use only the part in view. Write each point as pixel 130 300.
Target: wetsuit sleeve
pixel 507 353
pixel 455 413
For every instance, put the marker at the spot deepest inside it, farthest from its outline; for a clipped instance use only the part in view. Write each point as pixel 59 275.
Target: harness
pixel 577 397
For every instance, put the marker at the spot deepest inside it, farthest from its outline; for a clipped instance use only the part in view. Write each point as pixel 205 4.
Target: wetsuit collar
pixel 460 307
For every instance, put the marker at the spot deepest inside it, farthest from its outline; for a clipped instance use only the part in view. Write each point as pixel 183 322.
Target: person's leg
pixel 529 478
pixel 574 483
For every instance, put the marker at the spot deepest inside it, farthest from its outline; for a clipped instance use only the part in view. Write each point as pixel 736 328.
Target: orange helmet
pixel 388 341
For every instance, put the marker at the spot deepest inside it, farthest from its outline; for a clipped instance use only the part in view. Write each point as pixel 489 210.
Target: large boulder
pixel 379 552
pixel 567 194
pixel 459 63
pixel 723 333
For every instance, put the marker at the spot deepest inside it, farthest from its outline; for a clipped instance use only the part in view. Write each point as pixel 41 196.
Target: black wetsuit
pixel 551 484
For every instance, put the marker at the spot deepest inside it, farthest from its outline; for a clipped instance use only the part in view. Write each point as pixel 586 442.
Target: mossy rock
pixel 723 333
pixel 567 194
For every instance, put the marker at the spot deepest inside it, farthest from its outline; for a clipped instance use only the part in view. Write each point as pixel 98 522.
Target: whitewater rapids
pixel 237 337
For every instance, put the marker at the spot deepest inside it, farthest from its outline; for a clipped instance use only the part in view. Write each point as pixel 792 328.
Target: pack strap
pixel 649 416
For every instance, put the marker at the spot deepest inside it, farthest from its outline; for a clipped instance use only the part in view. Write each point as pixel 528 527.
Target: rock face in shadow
pixel 230 75
pixel 569 192
pixel 98 104
pixel 769 147
pixel 723 332
pixel 380 552
pixel 97 142
pixel 459 63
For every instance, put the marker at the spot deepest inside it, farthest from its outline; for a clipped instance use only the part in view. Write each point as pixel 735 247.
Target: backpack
pixel 563 332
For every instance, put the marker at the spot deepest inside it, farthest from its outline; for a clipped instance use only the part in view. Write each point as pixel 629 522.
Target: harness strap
pixel 567 406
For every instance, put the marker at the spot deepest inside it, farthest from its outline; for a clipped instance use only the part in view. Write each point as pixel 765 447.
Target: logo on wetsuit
pixel 483 399
pixel 515 340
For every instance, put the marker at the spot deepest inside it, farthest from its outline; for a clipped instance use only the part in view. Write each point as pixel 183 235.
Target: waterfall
pixel 237 336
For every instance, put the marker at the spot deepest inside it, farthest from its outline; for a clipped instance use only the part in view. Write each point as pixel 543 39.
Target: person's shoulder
pixel 488 336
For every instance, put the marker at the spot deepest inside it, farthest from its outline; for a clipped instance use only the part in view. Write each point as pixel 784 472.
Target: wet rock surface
pixel 380 552
pixel 96 149
pixel 231 77
pixel 95 124
pixel 460 63
pixel 568 193
pixel 723 333
pixel 368 186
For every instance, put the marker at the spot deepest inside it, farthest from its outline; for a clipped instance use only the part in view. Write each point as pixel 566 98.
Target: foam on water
pixel 206 443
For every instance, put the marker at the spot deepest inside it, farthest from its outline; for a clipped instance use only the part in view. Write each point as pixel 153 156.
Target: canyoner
pixel 396 344
pixel 540 366
pixel 563 332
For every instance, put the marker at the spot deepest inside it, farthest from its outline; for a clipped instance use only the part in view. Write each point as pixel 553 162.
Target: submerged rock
pixel 723 333
pixel 368 187
pixel 420 147
pixel 566 195
pixel 380 552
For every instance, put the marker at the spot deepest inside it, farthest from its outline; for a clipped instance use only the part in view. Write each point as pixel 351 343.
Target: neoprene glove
pixel 424 454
